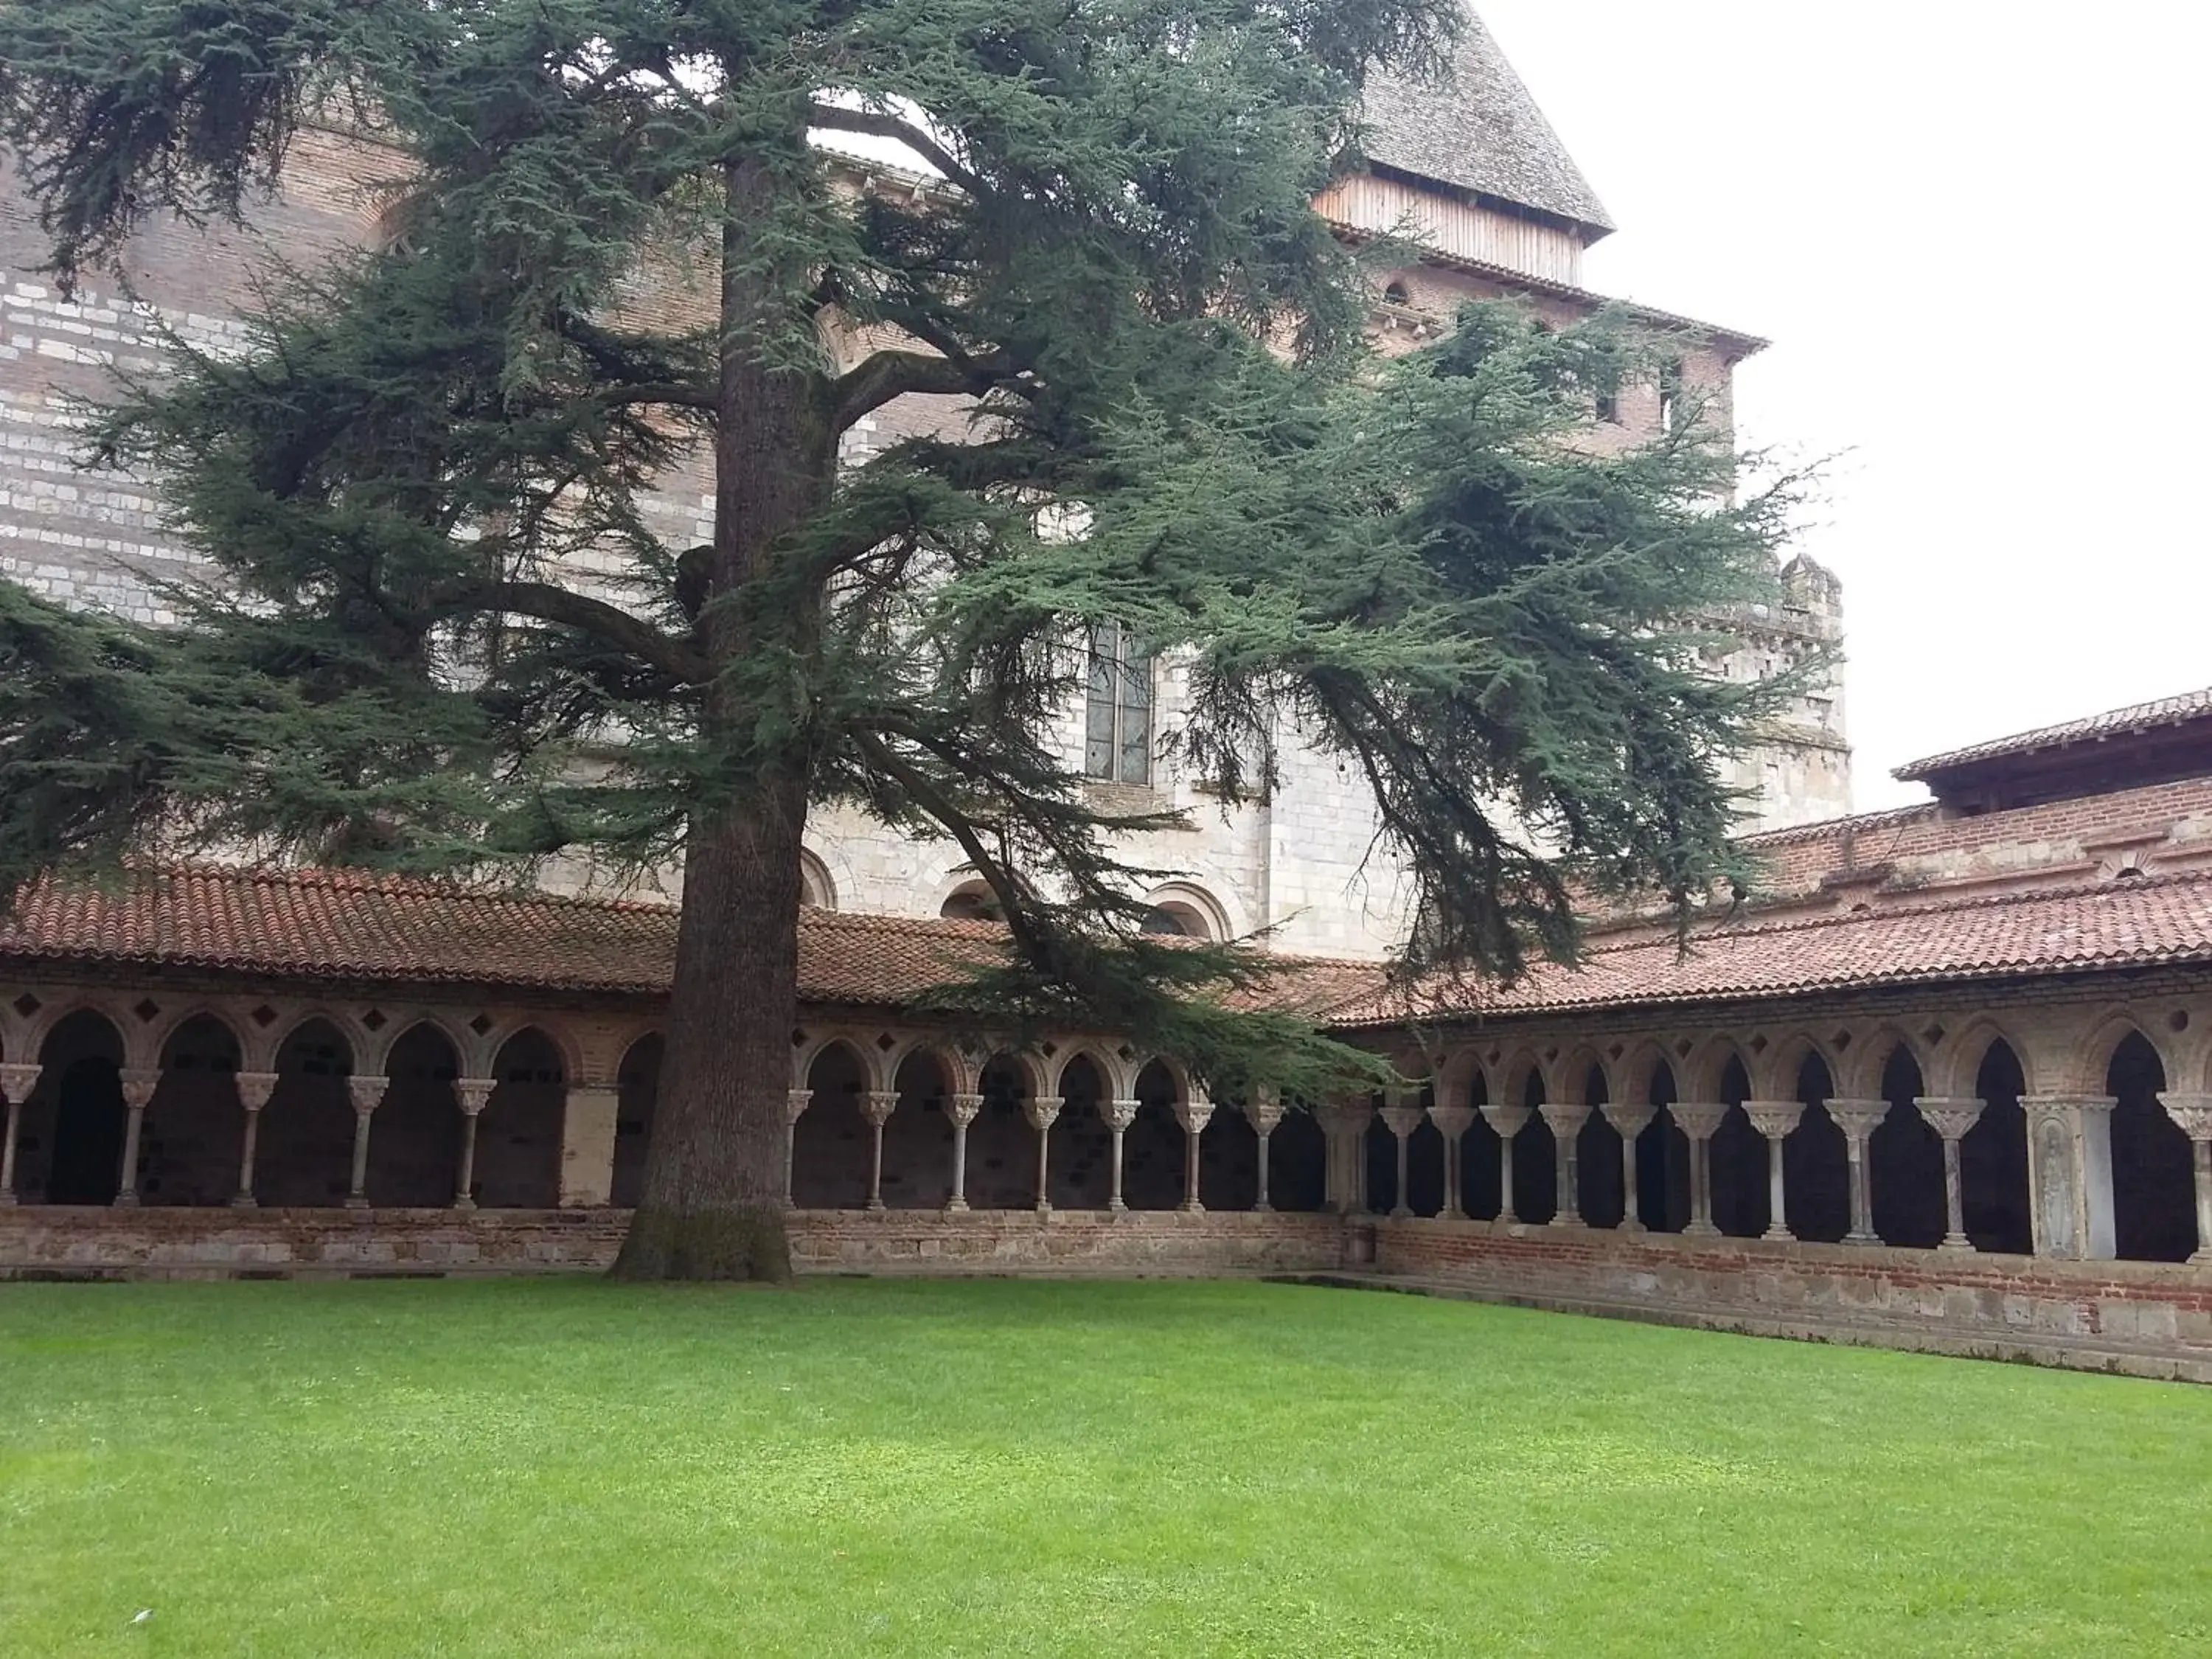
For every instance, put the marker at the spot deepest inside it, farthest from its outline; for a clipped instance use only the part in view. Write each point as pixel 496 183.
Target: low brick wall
pixel 2148 1319
pixel 43 1240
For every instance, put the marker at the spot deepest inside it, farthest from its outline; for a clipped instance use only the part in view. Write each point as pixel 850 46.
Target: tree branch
pixel 876 124
pixel 883 376
pixel 548 602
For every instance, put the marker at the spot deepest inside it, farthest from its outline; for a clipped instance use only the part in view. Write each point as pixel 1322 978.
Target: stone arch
pixel 1993 1156
pixel 362 1051
pixel 1081 1168
pixel 2093 1056
pixel 1459 1078
pixel 1904 1156
pixel 1600 1195
pixel 1001 1145
pixel 518 1161
pixel 568 1054
pixel 637 1085
pixel 816 886
pixel 918 1134
pixel 1581 1069
pixel 1662 1151
pixel 1115 1075
pixel 1816 1159
pixel 415 1135
pixel 2154 1179
pixel 1154 1147
pixel 471 1054
pixel 819 1042
pixel 1535 1153
pixel 1780 1068
pixel 42 1025
pixel 69 1133
pixel 969 899
pixel 1741 1207
pixel 1700 1073
pixel 1863 1064
pixel 194 1135
pixel 1959 1058
pixel 831 1142
pixel 305 1155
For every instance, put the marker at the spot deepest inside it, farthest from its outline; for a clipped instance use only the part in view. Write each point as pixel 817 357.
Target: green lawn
pixel 556 1469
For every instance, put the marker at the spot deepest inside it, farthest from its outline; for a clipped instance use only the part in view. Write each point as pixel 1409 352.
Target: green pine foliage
pixel 1175 425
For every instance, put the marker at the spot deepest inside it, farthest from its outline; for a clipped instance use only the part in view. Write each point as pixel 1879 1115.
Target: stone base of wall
pixel 2143 1319
pixel 2139 1318
pixel 45 1241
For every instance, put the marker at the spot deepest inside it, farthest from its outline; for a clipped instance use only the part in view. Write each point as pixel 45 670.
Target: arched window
pixel 1396 293
pixel 1188 911
pixel 1118 710
pixel 815 887
pixel 972 901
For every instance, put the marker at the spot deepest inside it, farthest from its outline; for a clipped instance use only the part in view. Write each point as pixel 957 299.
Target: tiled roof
pixel 1830 829
pixel 2114 722
pixel 2112 924
pixel 337 926
pixel 1481 131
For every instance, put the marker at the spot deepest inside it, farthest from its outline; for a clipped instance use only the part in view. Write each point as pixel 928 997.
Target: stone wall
pixel 2144 1319
pixel 39 1241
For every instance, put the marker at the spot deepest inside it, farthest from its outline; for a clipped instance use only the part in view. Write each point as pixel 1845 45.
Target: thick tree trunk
pixel 713 1204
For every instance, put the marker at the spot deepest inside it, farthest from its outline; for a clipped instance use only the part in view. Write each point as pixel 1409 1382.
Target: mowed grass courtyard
pixel 564 1468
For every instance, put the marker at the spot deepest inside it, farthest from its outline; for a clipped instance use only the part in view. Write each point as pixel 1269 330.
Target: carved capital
pixel 1452 1122
pixel 1043 1111
pixel 2069 1109
pixel 473 1093
pixel 1508 1120
pixel 962 1109
pixel 2192 1113
pixel 254 1089
pixel 1263 1111
pixel 878 1105
pixel 1949 1118
pixel 16 1081
pixel 368 1092
pixel 1118 1113
pixel 1565 1118
pixel 1194 1115
pixel 795 1102
pixel 139 1083
pixel 1774 1118
pixel 1858 1119
pixel 1402 1120
pixel 1700 1118
pixel 1629 1121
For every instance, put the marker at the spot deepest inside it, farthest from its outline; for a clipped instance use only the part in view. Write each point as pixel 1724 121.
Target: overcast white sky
pixel 1976 233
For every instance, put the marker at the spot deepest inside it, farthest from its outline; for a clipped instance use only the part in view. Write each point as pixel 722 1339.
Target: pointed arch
pixel 2093 1056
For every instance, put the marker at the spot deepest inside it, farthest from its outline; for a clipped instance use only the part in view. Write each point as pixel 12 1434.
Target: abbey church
pixel 1947 1084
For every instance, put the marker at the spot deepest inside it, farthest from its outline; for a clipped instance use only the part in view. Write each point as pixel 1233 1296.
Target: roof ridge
pixel 2132 716
pixel 1790 835
pixel 1978 901
pixel 341 879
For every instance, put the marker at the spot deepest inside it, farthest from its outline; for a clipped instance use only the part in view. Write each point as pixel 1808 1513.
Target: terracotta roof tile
pixel 2112 723
pixel 2112 924
pixel 343 926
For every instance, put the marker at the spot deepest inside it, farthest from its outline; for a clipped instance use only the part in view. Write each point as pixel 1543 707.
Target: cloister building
pixel 1946 1082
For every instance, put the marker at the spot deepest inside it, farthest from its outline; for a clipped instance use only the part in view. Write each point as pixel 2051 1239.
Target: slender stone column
pixel 139 1083
pixel 471 1093
pixel 1119 1116
pixel 1858 1120
pixel 795 1102
pixel 1775 1119
pixel 591 1121
pixel 1401 1116
pixel 1700 1121
pixel 1452 1123
pixel 962 1110
pixel 876 1107
pixel 2193 1113
pixel 1951 1119
pixel 1042 1113
pixel 2069 1174
pixel 1566 1122
pixel 368 1094
pixel 1509 1122
pixel 1263 1110
pixel 1631 1121
pixel 16 1082
pixel 255 1090
pixel 1194 1116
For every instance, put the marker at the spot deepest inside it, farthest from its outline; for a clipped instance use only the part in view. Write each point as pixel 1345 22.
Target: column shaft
pixel 126 1189
pixel 2202 1159
pixel 465 1179
pixel 8 1151
pixel 357 1191
pixel 1260 1203
pixel 244 1199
